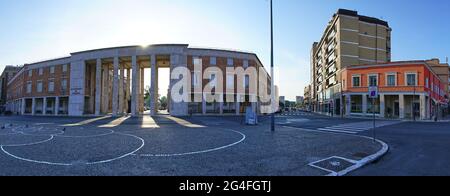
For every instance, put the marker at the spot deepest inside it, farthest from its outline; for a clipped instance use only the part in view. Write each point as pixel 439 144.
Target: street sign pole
pixel 373 93
pixel 272 118
pixel 374 123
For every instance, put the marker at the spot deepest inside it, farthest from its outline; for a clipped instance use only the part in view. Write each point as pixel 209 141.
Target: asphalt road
pixel 416 148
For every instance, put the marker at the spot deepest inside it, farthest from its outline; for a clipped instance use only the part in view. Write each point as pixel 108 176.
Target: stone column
pixel 56 106
pixel 23 106
pixel 348 105
pixel 401 101
pixel 115 95
pixel 138 89
pixel 134 94
pixel 364 104
pixel 142 90
pixel 121 93
pixel 127 90
pixel 44 106
pixel 33 105
pixel 423 111
pixel 238 104
pixel 105 90
pixel 154 86
pixel 98 86
pixel 204 104
pixel 382 106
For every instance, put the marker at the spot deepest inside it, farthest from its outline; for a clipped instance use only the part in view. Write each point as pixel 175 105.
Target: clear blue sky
pixel 33 30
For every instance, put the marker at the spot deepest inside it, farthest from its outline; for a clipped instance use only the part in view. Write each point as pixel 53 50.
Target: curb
pixel 367 160
pixel 358 164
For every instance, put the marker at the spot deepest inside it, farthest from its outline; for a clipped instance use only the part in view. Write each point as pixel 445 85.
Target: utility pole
pixel 272 124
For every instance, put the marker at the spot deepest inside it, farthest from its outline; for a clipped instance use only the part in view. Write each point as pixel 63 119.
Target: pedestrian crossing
pixel 354 128
pixel 295 114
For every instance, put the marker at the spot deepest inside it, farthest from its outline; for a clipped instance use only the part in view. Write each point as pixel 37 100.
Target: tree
pixel 163 102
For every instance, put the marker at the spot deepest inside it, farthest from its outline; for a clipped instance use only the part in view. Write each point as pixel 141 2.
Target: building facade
pixel 349 39
pixel 407 90
pixel 307 97
pixel 111 81
pixel 8 73
pixel 299 100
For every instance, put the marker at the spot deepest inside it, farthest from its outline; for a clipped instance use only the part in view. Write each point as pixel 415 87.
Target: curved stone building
pixel 111 81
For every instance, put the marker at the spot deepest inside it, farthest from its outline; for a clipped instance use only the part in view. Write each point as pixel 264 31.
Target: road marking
pixel 354 128
pixel 198 152
pixel 52 136
pixel 384 149
pixel 338 131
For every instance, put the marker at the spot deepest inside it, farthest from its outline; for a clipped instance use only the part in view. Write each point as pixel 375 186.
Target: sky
pixel 35 30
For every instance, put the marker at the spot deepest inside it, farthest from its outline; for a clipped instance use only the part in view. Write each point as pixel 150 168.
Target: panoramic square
pixel 212 88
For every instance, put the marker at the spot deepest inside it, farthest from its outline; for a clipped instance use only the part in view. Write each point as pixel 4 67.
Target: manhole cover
pixel 333 164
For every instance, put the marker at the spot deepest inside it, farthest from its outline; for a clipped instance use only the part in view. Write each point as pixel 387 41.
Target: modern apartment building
pixel 349 39
pixel 111 81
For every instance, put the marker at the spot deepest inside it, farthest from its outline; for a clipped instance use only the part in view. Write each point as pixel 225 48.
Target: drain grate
pixel 333 164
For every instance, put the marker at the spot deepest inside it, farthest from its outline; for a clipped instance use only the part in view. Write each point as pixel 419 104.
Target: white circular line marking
pixel 88 136
pixel 198 152
pixel 125 155
pixel 71 164
pixel 29 144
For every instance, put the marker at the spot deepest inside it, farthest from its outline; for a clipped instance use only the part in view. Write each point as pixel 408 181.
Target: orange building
pixel 407 89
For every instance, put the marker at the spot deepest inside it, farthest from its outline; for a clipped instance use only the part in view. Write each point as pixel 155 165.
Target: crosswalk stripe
pixel 349 128
pixel 353 128
pixel 338 131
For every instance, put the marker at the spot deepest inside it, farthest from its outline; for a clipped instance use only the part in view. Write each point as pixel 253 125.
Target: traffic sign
pixel 373 92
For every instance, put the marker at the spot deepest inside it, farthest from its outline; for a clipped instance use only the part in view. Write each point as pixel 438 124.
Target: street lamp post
pixel 272 124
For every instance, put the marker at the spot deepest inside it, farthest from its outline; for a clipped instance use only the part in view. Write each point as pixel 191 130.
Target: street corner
pixel 335 154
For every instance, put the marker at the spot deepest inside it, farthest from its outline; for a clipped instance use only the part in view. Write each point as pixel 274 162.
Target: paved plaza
pixel 170 146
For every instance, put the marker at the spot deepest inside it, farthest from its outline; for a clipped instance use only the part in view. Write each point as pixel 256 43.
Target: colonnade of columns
pixel 424 105
pixel 120 87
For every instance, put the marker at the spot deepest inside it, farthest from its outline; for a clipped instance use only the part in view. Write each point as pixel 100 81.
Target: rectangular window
pixel 230 81
pixel 427 83
pixel 30 73
pixel 64 85
pixel 213 60
pixel 52 69
pixel 64 68
pixel 356 81
pixel 230 62
pixel 41 71
pixel 391 80
pixel 51 86
pixel 39 87
pixel 373 80
pixel 28 87
pixel 411 79
pixel 245 63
